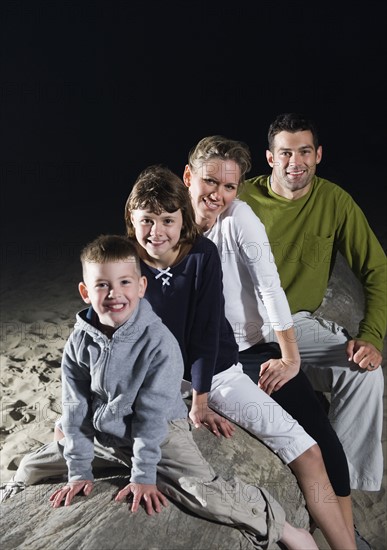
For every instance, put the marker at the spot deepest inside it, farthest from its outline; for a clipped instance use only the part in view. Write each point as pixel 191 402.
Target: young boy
pixel 121 404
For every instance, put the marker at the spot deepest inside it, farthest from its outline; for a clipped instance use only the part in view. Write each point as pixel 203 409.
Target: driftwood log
pixel 98 523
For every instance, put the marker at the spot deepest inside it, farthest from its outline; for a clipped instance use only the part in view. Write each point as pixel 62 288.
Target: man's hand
pixel 276 372
pixel 364 354
pixel 69 491
pixel 151 496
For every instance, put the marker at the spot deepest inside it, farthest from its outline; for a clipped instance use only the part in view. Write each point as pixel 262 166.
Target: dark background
pixel 93 92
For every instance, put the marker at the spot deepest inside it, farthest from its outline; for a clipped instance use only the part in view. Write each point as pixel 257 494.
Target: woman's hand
pixel 276 372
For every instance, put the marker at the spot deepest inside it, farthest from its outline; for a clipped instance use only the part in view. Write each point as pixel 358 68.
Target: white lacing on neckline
pixel 164 272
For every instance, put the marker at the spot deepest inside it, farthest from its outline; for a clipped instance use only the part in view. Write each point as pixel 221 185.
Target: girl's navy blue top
pixel 189 299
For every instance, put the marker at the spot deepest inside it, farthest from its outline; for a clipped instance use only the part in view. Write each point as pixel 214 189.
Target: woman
pixel 255 303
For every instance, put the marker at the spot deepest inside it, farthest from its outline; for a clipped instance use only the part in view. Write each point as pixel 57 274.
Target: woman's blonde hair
pixel 219 147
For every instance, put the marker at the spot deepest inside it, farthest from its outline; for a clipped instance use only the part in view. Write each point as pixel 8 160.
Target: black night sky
pixel 93 92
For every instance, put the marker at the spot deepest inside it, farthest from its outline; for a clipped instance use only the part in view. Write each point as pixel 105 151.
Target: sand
pixel 39 299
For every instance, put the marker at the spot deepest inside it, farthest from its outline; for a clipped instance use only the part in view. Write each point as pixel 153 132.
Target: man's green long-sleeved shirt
pixel 305 235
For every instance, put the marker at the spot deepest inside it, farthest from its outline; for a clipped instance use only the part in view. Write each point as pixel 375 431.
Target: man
pixel 308 220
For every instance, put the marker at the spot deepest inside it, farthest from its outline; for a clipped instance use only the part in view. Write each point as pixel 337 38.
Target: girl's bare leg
pixel 346 509
pixel 58 434
pixel 322 503
pixel 297 539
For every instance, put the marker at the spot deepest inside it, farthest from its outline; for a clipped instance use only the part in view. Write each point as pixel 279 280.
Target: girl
pixel 184 276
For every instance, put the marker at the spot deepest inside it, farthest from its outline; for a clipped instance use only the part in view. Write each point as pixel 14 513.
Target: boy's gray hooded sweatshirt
pixel 123 391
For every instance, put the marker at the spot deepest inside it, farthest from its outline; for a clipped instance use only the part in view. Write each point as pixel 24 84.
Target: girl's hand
pixel 214 422
pixel 202 415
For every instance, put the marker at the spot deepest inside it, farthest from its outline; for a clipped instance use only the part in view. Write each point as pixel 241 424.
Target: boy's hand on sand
pixel 69 491
pixel 152 497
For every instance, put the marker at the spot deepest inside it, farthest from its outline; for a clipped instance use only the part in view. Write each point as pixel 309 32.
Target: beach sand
pixel 39 299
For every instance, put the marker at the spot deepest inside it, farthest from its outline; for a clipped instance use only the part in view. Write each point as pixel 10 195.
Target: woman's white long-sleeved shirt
pixel 256 303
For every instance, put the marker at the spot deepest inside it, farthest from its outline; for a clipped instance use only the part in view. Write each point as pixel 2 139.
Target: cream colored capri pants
pixel 237 397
